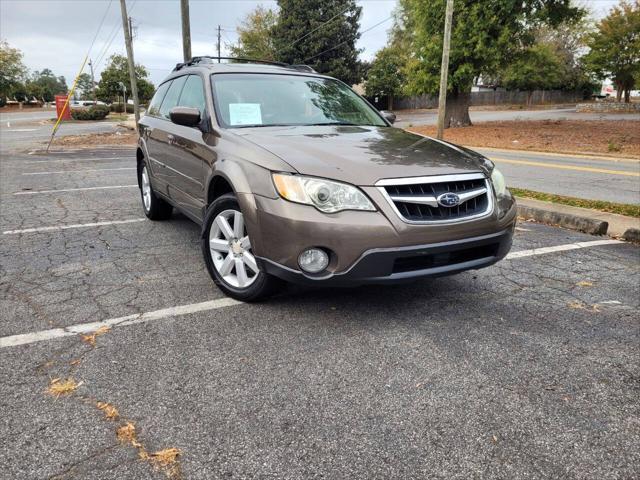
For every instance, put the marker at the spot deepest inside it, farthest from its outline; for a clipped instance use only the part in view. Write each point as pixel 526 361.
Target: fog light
pixel 313 260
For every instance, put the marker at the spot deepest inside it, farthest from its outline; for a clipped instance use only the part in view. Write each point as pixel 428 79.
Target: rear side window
pixel 154 106
pixel 171 98
pixel 193 94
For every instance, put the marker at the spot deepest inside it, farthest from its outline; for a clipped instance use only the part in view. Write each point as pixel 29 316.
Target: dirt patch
pixel 125 137
pixel 619 138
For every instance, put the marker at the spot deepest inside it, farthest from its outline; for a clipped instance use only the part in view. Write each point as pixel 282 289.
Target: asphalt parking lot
pixel 527 369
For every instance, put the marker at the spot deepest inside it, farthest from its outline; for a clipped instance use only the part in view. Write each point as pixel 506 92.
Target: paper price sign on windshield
pixel 245 114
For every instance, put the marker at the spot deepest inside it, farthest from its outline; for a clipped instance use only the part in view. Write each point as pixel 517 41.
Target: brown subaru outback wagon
pixel 295 177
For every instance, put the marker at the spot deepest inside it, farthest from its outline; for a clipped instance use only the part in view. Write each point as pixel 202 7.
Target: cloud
pixel 56 34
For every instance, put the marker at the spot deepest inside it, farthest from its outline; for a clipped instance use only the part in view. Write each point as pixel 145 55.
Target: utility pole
pixel 186 30
pixel 444 68
pixel 93 82
pixel 132 72
pixel 218 43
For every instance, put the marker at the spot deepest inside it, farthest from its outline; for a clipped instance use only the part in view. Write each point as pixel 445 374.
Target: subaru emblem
pixel 448 200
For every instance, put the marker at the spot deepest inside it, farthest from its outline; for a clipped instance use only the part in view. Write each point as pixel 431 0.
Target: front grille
pixel 433 260
pixel 416 200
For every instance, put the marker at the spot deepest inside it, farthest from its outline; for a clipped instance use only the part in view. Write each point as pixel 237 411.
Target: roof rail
pixel 206 59
pixel 209 59
pixel 302 68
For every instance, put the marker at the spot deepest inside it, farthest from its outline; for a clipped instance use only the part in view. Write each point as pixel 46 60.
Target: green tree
pixel 615 48
pixel 320 33
pixel 45 85
pixel 537 68
pixel 255 35
pixel 117 71
pixel 12 71
pixel 486 35
pixel 385 75
pixel 84 88
pixel 568 42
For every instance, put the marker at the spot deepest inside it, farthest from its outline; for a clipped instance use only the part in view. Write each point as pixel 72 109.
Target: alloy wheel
pixel 146 190
pixel 230 249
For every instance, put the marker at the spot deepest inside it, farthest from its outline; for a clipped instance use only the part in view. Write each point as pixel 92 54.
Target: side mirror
pixel 389 116
pixel 186 116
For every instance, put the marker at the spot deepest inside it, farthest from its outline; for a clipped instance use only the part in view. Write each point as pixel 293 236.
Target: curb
pixel 632 235
pixel 566 220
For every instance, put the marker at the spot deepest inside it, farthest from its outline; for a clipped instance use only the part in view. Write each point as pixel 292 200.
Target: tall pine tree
pixel 320 33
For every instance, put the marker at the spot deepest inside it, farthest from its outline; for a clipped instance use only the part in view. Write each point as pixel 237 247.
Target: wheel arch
pixel 219 184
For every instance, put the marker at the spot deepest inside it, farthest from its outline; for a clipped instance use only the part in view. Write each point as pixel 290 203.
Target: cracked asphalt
pixel 528 369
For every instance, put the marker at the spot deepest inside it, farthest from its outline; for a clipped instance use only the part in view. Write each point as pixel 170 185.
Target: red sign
pixel 61 100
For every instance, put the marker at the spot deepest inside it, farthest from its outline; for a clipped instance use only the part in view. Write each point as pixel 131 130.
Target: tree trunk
pixel 390 102
pixel 627 95
pixel 456 112
pixel 619 89
pixel 529 97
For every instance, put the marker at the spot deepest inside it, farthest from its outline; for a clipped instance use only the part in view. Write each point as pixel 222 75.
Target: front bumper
pixel 371 247
pixel 402 264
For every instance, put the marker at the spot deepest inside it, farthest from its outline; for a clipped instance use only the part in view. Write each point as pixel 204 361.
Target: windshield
pixel 260 100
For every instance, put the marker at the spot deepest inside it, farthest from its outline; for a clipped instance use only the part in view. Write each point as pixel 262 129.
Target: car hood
pixel 363 155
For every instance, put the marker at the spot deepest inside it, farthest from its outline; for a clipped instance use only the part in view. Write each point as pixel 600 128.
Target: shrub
pixel 101 108
pixel 95 112
pixel 119 108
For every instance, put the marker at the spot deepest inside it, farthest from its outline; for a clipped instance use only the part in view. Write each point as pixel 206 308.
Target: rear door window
pixel 156 101
pixel 193 94
pixel 172 96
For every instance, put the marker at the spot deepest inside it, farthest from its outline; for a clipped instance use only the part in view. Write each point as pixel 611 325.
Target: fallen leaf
pixel 581 306
pixel 127 434
pixel 59 387
pixel 110 412
pixel 165 457
pixel 91 338
pixel 584 283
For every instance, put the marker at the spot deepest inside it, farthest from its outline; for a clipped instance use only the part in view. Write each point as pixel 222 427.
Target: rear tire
pixel 227 253
pixel 154 207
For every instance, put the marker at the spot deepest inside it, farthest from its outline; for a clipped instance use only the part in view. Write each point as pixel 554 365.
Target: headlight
pixel 499 184
pixel 326 195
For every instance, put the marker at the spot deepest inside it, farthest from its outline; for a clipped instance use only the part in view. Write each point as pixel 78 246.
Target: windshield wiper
pixel 254 125
pixel 330 123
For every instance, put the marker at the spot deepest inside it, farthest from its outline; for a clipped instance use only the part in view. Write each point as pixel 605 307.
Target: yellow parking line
pixel 567 167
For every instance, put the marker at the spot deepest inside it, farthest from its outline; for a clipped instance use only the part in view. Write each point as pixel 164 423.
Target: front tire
pixel 154 208
pixel 227 253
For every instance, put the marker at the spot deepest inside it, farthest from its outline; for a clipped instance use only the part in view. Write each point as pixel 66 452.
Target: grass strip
pixel 602 206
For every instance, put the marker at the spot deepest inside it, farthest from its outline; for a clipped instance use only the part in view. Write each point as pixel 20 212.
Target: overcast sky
pixel 56 34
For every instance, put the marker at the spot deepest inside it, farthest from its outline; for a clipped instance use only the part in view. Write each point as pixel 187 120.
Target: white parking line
pixel 81 171
pixel 65 227
pixel 25 338
pixel 560 248
pixel 43 335
pixel 34 192
pixel 53 160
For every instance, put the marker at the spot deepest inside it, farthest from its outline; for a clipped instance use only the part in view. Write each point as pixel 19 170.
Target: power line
pixel 317 28
pixel 346 41
pixel 108 44
pixel 100 26
pixel 114 33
